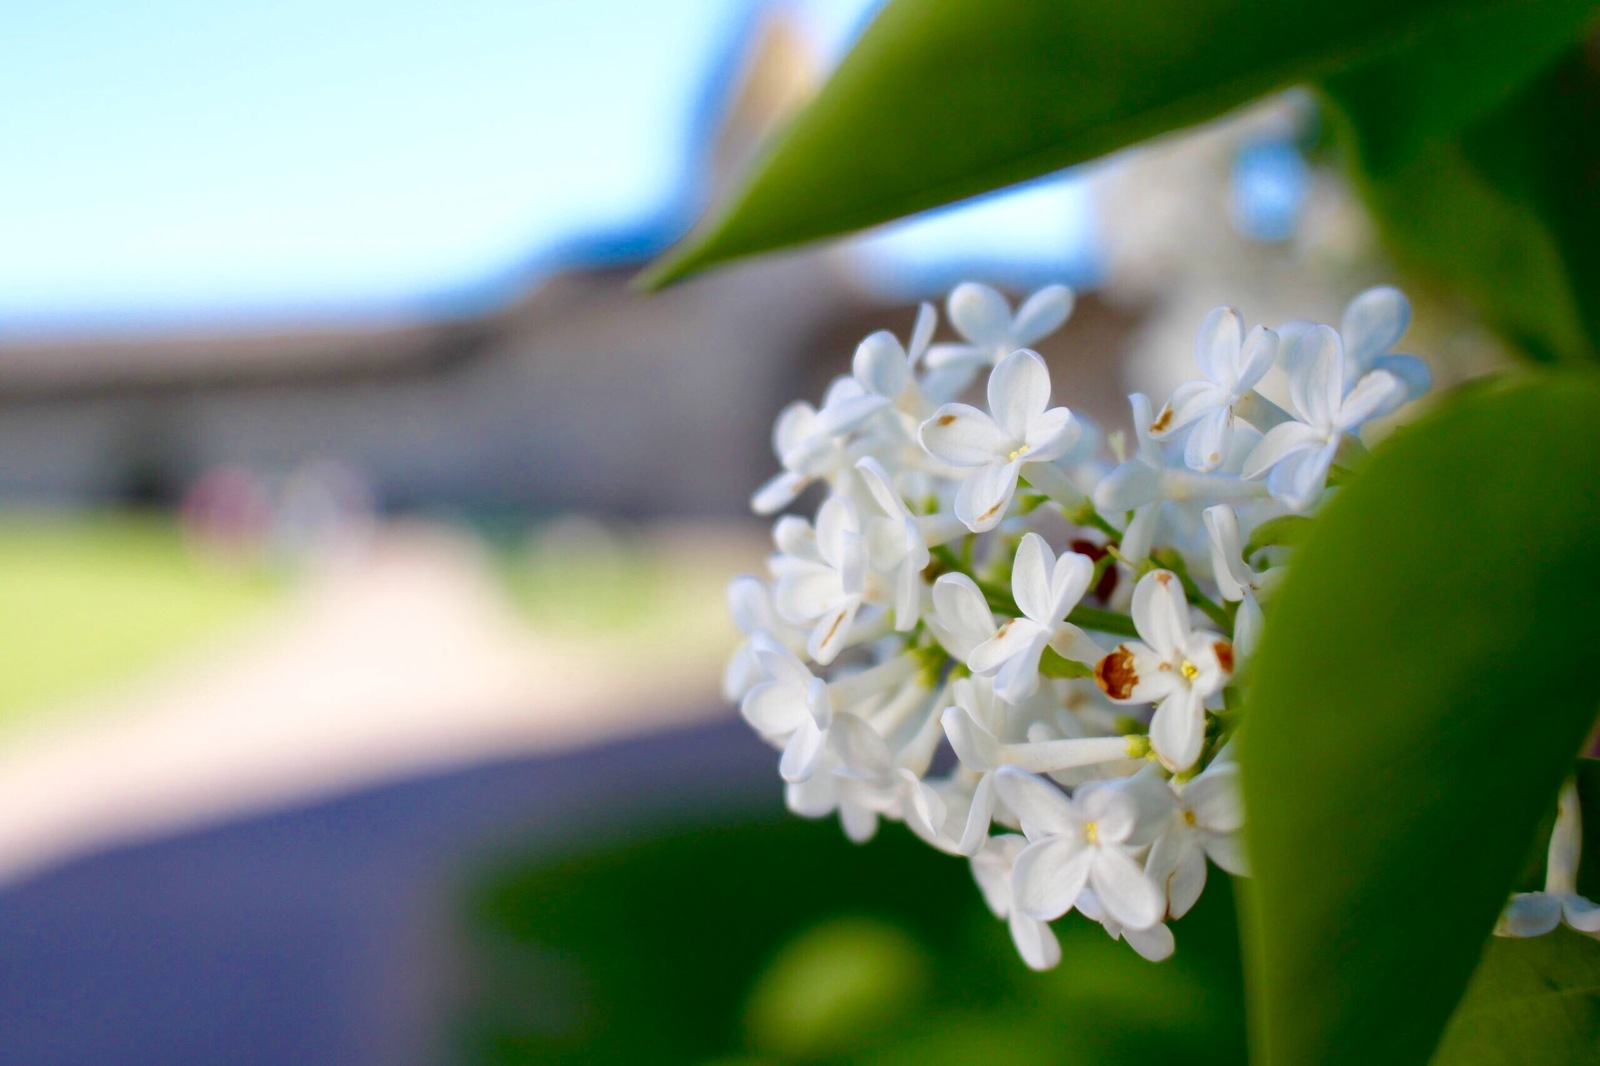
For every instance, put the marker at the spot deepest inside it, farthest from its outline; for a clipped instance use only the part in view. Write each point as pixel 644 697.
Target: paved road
pixel 320 934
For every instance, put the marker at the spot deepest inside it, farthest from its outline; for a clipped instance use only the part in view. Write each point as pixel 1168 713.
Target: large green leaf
pixel 1504 211
pixel 1536 1002
pixel 1531 1003
pixel 1424 684
pixel 945 99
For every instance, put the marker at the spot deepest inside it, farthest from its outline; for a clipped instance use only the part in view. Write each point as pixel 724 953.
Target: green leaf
pixel 1424 686
pixel 1503 212
pixel 945 99
pixel 1532 1002
pixel 1416 98
pixel 1289 529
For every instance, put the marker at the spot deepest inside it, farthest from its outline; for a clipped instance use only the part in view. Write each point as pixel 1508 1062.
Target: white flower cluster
pixel 1025 649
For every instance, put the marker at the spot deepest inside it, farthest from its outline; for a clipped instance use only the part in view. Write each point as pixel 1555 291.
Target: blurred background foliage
pixel 774 940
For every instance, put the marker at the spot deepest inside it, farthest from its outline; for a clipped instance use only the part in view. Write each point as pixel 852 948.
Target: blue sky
pixel 175 159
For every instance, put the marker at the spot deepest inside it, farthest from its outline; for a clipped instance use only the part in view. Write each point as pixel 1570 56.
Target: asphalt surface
pixel 320 934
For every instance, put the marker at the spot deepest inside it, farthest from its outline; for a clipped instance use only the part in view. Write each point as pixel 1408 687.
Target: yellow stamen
pixel 1189 670
pixel 1018 453
pixel 1091 832
pixel 1188 816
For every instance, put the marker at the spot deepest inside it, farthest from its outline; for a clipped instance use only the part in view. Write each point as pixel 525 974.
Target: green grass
pixel 90 601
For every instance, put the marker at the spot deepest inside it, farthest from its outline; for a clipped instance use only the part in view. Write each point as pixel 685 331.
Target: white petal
pixel 1583 915
pixel 1208 440
pixel 1112 809
pixel 779 492
pixel 805 590
pixel 1036 942
pixel 974 745
pixel 741 674
pixel 1529 914
pixel 979 815
pixel 1259 353
pixel 1178 730
pixel 962 610
pixel 1050 436
pixel 922 331
pixel 848 413
pixel 978 313
pixel 962 435
pixel 832 630
pixel 1030 578
pixel 880 365
pixel 803 752
pixel 794 426
pixel 984 496
pixel 1041 314
pixel 1049 876
pixel 1316 376
pixel 1216 346
pixel 1035 801
pixel 1227 851
pixel 1228 569
pixel 1412 372
pixel 1123 889
pixel 774 710
pixel 1069 580
pixel 1186 881
pixel 1140 535
pixel 860 824
pixel 781 664
pixel 1214 798
pixel 1376 393
pixel 1018 677
pixel 1280 442
pixel 1133 673
pixel 1155 944
pixel 1300 479
pixel 1128 487
pixel 1373 323
pixel 1019 392
pixel 882 488
pixel 861 751
pixel 1188 402
pixel 1161 612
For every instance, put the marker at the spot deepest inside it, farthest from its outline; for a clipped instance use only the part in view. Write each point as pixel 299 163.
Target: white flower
pixel 954 815
pixel 1232 364
pixel 1021 428
pixel 884 368
pixel 791 708
pixel 750 606
pixel 1173 666
pixel 980 750
pixel 1295 456
pixel 810 443
pixel 984 320
pixel 1373 323
pixel 1145 483
pixel 898 543
pixel 991 868
pixel 1046 590
pixel 859 797
pixel 1236 580
pixel 961 617
pixel 1155 943
pixel 1090 840
pixel 1206 822
pixel 828 589
pixel 1537 913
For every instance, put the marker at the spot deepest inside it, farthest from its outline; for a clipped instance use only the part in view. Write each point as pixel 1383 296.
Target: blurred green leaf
pixel 1503 211
pixel 944 99
pixel 1424 686
pixel 670 950
pixel 1533 1002
pixel 1410 101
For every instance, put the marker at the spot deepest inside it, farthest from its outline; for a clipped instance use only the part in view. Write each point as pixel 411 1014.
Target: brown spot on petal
pixel 1002 630
pixel 1163 420
pixel 991 512
pixel 1224 652
pixel 1115 674
pixel 945 420
pixel 838 620
pixel 1164 576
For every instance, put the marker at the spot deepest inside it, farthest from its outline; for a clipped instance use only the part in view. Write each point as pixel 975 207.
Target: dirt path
pixel 412 659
